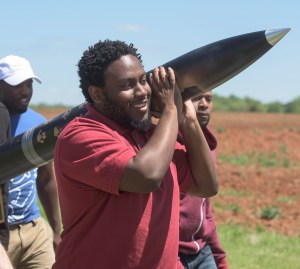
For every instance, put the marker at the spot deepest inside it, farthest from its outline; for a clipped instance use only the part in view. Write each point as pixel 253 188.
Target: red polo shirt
pixel 104 228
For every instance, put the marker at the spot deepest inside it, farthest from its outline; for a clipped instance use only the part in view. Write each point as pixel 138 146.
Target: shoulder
pixel 4 110
pixel 35 116
pixel 3 107
pixel 87 126
pixel 25 121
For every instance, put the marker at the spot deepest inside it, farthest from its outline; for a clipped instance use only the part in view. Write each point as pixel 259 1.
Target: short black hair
pixel 97 58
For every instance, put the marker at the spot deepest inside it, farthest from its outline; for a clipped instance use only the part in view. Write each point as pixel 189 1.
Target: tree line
pixel 233 103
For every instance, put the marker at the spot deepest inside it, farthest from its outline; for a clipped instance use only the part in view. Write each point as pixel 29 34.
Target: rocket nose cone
pixel 274 35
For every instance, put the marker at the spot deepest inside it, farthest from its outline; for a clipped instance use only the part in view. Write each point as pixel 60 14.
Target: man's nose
pixel 141 89
pixel 202 104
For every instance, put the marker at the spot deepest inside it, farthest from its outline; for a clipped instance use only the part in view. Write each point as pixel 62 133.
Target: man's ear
pixel 96 94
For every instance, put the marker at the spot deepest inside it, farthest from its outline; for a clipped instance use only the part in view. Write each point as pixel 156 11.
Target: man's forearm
pixel 200 161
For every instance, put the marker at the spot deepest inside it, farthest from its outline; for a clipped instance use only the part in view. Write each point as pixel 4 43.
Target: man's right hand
pixel 163 85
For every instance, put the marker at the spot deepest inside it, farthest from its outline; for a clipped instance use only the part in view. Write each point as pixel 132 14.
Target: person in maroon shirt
pixel 199 246
pixel 119 176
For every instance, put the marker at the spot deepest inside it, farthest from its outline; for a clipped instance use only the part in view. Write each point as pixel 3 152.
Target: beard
pixel 114 111
pixel 15 109
pixel 23 110
pixel 203 122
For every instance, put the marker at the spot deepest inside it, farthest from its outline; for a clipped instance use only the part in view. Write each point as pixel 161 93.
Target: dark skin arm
pixel 205 182
pixel 145 172
pixel 47 192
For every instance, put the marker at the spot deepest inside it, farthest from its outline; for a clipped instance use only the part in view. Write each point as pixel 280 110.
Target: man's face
pixel 203 105
pixel 126 94
pixel 16 98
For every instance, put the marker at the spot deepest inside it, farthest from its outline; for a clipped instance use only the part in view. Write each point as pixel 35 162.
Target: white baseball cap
pixel 14 70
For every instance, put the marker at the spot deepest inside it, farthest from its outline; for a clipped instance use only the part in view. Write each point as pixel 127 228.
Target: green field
pixel 258 249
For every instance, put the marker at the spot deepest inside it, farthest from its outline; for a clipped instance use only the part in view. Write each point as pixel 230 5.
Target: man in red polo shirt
pixel 119 176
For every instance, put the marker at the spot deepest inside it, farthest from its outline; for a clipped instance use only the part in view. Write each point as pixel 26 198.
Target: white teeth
pixel 139 105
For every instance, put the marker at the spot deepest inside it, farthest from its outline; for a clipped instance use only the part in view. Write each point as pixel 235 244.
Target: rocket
pixel 34 147
pixel 207 67
pixel 197 72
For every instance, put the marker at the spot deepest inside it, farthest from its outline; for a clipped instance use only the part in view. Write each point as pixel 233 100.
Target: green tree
pixel 294 106
pixel 275 107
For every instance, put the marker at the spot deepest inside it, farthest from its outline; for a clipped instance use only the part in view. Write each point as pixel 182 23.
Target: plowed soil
pixel 264 190
pixel 258 169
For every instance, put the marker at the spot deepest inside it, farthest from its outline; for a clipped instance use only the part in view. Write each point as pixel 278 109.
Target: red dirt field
pixel 247 189
pixel 266 148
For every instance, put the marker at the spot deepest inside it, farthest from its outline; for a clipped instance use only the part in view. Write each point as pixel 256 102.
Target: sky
pixel 53 35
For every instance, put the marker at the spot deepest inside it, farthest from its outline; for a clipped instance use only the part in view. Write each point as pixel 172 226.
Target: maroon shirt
pixel 197 225
pixel 105 228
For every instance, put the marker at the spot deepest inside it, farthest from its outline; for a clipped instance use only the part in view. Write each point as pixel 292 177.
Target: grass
pixel 269 212
pixel 233 192
pixel 258 158
pixel 258 249
pixel 234 208
pixel 286 200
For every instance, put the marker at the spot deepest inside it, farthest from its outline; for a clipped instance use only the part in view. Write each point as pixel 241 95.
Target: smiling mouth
pixel 140 105
pixel 24 101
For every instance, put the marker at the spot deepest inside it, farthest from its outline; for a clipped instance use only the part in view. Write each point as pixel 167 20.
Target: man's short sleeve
pixel 94 156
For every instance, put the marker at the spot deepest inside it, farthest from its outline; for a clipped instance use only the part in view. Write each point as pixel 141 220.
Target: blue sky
pixel 52 35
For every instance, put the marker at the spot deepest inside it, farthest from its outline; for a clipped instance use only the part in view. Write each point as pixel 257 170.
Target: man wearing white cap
pixel 31 238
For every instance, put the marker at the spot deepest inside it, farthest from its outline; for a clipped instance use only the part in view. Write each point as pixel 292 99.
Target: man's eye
pixel 143 81
pixel 125 85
